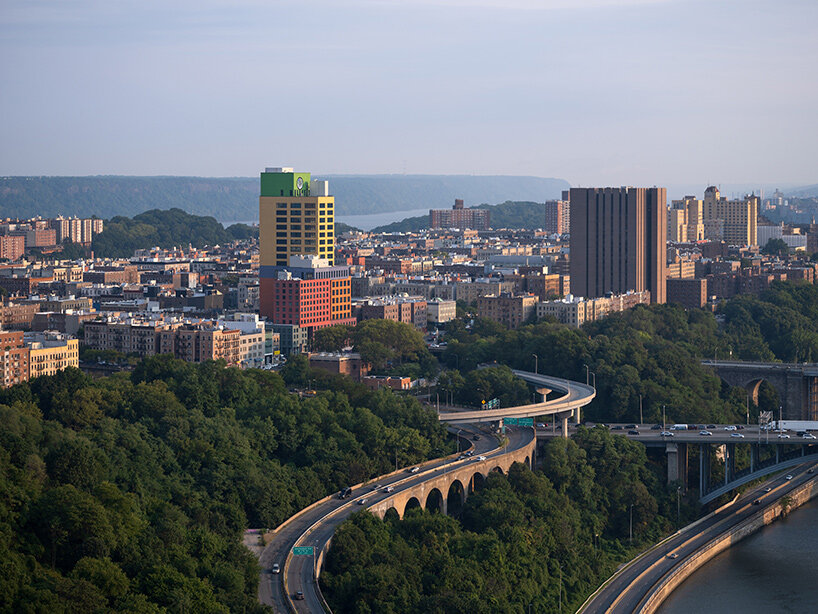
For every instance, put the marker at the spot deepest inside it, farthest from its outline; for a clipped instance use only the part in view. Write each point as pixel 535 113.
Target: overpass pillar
pixel 577 415
pixel 444 505
pixel 565 426
pixel 753 457
pixel 704 469
pixel 729 462
pixel 672 451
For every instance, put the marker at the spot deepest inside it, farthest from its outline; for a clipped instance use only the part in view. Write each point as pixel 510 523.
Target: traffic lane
pixel 290 534
pixel 300 576
pixel 706 531
pixel 743 510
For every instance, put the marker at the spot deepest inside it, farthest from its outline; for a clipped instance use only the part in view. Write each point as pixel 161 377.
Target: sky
pixel 597 92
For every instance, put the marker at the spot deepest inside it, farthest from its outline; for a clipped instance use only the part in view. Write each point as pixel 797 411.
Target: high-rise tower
pixel 296 217
pixel 618 241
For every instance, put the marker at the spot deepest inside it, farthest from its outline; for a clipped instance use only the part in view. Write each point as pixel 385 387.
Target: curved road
pixel 315 527
pixel 576 395
pixel 327 516
pixel 628 591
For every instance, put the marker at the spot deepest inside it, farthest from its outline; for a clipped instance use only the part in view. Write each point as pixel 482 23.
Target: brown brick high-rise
pixel 618 241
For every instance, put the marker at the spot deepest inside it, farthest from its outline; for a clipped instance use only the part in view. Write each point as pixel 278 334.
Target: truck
pixel 795 425
pixel 678 427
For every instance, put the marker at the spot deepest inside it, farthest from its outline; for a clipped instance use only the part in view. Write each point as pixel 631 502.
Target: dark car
pixel 631 426
pixel 633 432
pixel 616 428
pixel 345 492
pixel 757 502
pixel 299 596
pixel 656 427
pixel 476 438
pixel 711 426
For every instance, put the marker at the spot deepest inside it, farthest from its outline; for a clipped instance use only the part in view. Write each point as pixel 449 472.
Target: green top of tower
pixel 284 182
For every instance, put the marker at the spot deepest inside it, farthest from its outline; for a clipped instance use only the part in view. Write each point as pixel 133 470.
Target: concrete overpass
pixel 575 396
pixel 768 453
pixel 796 384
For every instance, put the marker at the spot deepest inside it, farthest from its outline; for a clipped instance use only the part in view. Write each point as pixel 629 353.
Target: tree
pixel 776 247
pixel 331 338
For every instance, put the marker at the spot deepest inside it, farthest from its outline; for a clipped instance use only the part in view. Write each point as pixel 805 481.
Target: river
pixel 774 570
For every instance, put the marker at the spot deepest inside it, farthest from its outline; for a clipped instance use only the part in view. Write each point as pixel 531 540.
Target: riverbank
pixel 765 516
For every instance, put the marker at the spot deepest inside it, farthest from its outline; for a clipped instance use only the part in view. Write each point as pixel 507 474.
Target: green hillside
pixel 509 214
pixel 122 235
pixel 236 198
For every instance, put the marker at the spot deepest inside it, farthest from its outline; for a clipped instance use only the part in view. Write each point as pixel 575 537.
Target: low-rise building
pixel 50 352
pixel 439 311
pixel 509 309
pixel 340 363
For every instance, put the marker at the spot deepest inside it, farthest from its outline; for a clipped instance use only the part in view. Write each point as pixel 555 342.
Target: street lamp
pixel 587 376
pixel 630 529
pixel 678 495
pixel 536 359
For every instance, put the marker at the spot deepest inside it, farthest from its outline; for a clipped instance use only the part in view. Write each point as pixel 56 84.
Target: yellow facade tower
pixel 296 217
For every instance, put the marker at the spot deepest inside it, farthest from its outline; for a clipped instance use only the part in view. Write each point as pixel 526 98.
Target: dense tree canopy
pixel 131 493
pixel 122 235
pixel 521 539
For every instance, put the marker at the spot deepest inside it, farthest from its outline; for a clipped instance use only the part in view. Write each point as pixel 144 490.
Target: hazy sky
pixel 598 92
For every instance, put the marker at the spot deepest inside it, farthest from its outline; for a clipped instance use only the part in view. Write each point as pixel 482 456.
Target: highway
pixel 575 395
pixel 316 526
pixel 647 435
pixel 628 591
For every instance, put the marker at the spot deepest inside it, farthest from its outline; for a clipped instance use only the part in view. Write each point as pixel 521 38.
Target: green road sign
pixel 303 550
pixel 518 421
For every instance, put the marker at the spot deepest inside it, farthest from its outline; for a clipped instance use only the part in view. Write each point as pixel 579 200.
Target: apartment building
pixel 509 309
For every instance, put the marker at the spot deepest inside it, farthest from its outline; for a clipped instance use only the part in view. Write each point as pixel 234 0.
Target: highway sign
pixel 307 550
pixel 518 421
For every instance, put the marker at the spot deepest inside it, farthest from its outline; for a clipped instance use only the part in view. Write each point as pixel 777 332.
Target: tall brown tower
pixel 618 241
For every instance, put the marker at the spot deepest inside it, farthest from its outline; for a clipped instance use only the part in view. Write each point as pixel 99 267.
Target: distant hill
pixel 122 235
pixel 236 198
pixel 510 214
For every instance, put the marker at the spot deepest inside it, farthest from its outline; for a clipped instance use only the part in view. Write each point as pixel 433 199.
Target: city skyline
pixel 574 90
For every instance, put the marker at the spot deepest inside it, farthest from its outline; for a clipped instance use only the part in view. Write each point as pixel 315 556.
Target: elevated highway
pixel 439 484
pixel 574 397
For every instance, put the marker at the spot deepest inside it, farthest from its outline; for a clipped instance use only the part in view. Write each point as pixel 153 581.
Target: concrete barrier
pixel 763 517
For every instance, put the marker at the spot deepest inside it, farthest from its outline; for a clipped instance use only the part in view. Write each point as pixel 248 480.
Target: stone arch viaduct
pixel 447 492
pixel 796 384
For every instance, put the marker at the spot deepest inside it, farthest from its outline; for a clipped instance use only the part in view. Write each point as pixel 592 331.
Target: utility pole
pixel 664 419
pixel 536 361
pixel 641 420
pixel 630 530
pixel 678 495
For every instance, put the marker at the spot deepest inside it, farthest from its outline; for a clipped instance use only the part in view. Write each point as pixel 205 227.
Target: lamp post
pixel 630 529
pixel 641 421
pixel 587 376
pixel 536 360
pixel 678 495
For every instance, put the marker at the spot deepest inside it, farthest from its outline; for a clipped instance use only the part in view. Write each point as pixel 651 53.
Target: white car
pixel 362 501
pixel 705 433
pixel 667 434
pixel 414 470
pixel 789 477
pixel 808 436
pixel 275 568
pixel 730 428
pixel 783 436
pixel 389 489
pixel 737 435
pixel 480 458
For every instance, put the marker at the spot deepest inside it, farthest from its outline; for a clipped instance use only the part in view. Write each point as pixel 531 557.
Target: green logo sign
pixel 518 421
pixel 303 550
